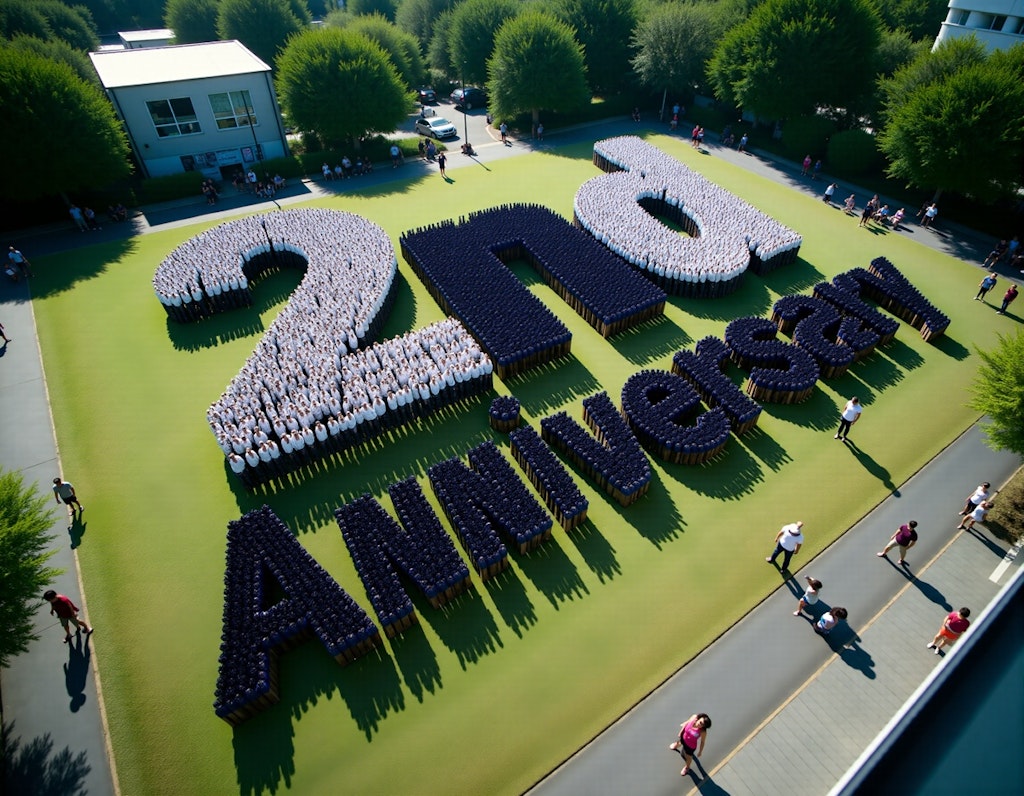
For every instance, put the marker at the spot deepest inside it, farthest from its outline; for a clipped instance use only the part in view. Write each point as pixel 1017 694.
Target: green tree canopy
pixel 418 17
pixel 603 27
pixel 63 129
pixel 340 85
pixel 403 48
pixel 17 16
pixel 537 65
pixel 921 19
pixel 792 57
pixel 192 20
pixel 25 523
pixel 359 8
pixel 998 391
pixel 60 51
pixel 471 36
pixel 261 25
pixel 439 57
pixel 73 25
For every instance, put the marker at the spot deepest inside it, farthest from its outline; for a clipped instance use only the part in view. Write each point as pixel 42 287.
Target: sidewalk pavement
pixel 64 734
pixel 792 711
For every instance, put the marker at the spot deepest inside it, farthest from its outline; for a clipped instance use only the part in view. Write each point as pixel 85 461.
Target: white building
pixel 137 39
pixel 998 24
pixel 208 108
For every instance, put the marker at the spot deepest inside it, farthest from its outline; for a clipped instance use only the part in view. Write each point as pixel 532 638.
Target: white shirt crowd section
pixel 728 229
pixel 308 375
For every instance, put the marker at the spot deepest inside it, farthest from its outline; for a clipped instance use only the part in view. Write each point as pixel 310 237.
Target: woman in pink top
pixel 952 628
pixel 692 734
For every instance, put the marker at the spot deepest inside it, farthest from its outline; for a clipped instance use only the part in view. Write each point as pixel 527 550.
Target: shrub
pixel 807 135
pixel 852 153
pixel 173 186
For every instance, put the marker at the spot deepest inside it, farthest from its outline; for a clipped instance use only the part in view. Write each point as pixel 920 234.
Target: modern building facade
pixel 208 108
pixel 137 39
pixel 998 24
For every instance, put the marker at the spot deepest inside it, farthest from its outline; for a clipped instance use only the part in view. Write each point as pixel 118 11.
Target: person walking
pixel 979 514
pixel 849 416
pixel 1008 298
pixel 905 537
pixel 987 283
pixel 810 595
pixel 952 628
pixel 19 261
pixel 829 620
pixel 978 496
pixel 442 161
pixel 692 735
pixel 787 541
pixel 503 129
pixel 67 613
pixel 806 166
pixel 63 490
pixel 829 193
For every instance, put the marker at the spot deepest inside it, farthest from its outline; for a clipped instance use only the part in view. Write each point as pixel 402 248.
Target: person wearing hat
pixel 787 542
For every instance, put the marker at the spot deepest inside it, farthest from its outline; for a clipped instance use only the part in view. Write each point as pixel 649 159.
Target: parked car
pixel 436 127
pixel 469 97
pixel 426 96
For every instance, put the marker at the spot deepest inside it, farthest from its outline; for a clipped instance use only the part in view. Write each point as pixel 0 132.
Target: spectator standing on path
pixel 1008 298
pixel 396 156
pixel 3 334
pixel 806 166
pixel 692 734
pixel 905 537
pixel 78 217
pixel 979 514
pixel 540 131
pixel 827 198
pixel 978 496
pixel 998 253
pixel 952 628
pixel 930 214
pixel 817 169
pixel 869 211
pixel 810 595
pixel 19 261
pixel 787 542
pixel 442 161
pixel 850 415
pixel 503 129
pixel 62 490
pixel 985 285
pixel 829 620
pixel 742 145
pixel 67 613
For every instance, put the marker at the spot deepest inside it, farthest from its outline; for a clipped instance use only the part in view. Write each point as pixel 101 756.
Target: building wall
pixel 998 24
pixel 211 148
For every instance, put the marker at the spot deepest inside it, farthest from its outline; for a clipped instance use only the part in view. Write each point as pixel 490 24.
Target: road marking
pixel 1004 565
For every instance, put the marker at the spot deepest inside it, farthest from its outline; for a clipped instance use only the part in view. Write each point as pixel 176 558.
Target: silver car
pixel 436 127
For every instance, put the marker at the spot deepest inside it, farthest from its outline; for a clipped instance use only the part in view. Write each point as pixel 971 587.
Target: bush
pixel 852 153
pixel 807 135
pixel 173 186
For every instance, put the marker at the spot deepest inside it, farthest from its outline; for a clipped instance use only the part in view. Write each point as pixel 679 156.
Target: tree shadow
pixel 76 670
pixel 596 550
pixel 34 767
pixel 764 447
pixel 552 573
pixel 512 601
pixel 650 341
pixel 873 467
pixel 63 270
pixel 729 476
pixel 465 627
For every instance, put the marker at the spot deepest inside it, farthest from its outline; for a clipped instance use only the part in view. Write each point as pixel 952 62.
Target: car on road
pixel 469 97
pixel 426 96
pixel 436 127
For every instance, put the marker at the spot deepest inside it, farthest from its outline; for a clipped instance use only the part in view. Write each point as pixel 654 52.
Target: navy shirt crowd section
pixel 503 414
pixel 728 235
pixel 817 328
pixel 256 629
pixel 884 284
pixel 463 266
pixel 549 477
pixel 704 368
pixel 422 550
pixel 664 412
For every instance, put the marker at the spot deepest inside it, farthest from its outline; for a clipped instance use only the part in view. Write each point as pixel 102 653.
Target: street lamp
pixel 257 150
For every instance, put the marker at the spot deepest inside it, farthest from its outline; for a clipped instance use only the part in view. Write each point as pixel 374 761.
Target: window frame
pixel 234 119
pixel 182 124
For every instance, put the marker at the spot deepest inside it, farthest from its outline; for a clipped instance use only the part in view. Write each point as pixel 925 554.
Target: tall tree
pixel 340 85
pixel 791 57
pixel 73 25
pixel 537 65
pixel 418 17
pixel 192 20
pixel 63 129
pixel 921 19
pixel 403 48
pixel 471 36
pixel 60 51
pixel 25 523
pixel 439 57
pixel 956 123
pixel 359 8
pixel 998 391
pixel 261 25
pixel 603 27
pixel 17 16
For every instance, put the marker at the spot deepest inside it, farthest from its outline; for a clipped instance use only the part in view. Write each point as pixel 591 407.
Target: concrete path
pixel 58 735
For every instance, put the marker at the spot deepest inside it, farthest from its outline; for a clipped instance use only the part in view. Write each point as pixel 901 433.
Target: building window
pixel 232 109
pixel 997 23
pixel 958 16
pixel 174 117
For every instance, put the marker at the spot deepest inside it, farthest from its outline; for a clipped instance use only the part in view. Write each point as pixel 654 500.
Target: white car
pixel 436 127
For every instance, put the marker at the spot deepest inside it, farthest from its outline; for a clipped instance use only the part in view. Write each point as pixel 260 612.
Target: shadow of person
pixel 873 467
pixel 76 530
pixel 856 657
pixel 76 670
pixel 999 550
pixel 927 589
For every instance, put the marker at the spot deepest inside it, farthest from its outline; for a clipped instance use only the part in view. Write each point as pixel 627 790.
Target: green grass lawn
pixel 491 693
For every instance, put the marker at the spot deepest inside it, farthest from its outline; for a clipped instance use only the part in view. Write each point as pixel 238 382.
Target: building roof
pixel 153 34
pixel 150 65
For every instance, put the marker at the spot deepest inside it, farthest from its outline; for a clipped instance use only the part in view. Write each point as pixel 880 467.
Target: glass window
pixel 997 23
pixel 959 16
pixel 174 117
pixel 232 109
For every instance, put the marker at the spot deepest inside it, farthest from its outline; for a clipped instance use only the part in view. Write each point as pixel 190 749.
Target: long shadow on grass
pixel 878 371
pixel 655 516
pixel 62 271
pixel 512 601
pixel 902 354
pixel 751 299
pixel 553 385
pixel 729 477
pixel 875 468
pixel 951 348
pixel 403 311
pixel 650 341
pixel 818 412
pixel 551 571
pixel 764 448
pixel 416 660
pixel 34 767
pixel 798 277
pixel 596 550
pixel 264 745
pixel 466 627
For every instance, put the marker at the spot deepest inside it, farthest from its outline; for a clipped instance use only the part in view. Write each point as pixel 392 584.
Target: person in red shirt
pixel 954 626
pixel 67 612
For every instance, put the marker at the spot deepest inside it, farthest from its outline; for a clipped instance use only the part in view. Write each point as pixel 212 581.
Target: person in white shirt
pixel 850 415
pixel 787 541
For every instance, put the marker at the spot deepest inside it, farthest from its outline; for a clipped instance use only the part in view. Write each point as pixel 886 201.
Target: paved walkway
pixel 59 736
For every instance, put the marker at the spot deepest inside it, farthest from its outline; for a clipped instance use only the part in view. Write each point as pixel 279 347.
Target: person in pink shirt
pixel 952 628
pixel 692 734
